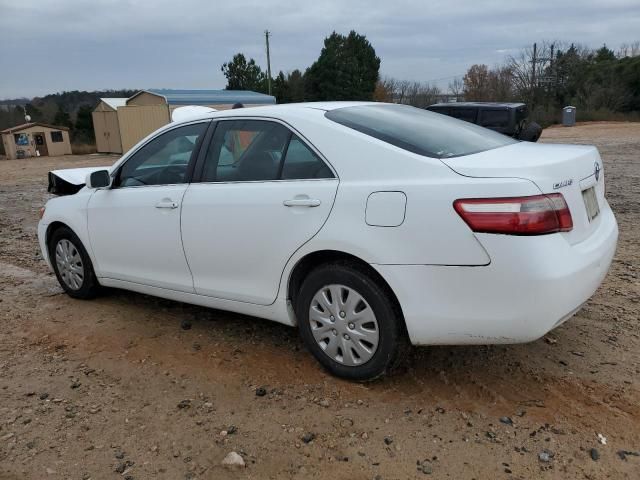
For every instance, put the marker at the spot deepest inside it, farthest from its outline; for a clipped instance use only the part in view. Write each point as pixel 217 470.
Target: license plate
pixel 591 203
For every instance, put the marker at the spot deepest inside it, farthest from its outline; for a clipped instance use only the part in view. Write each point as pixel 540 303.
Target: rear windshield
pixel 419 131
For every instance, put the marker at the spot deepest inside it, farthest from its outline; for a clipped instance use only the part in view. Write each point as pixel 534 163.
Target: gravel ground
pixel 115 388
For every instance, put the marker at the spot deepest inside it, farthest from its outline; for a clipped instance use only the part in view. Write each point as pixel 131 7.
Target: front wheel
pixel 72 264
pixel 349 322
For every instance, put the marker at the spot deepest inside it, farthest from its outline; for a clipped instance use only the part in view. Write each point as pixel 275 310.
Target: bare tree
pixel 456 87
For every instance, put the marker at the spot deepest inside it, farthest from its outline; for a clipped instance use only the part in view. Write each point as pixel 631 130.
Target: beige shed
pixel 120 123
pixel 36 139
pixel 106 126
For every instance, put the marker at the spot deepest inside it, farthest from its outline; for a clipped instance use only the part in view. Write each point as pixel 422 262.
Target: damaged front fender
pixel 70 180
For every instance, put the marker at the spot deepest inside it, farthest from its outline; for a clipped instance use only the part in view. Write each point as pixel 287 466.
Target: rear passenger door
pixel 261 192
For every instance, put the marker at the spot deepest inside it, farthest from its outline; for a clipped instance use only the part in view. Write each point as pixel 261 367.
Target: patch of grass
pixel 83 148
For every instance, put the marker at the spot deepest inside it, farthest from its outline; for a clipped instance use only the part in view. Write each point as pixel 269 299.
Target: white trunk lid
pixel 566 169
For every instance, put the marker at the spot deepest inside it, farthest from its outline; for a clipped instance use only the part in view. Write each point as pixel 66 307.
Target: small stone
pixel 545 456
pixel 185 325
pixel 119 455
pixel 595 455
pixel 388 440
pixel 324 403
pixel 75 385
pixel 184 404
pixel 232 429
pixel 506 420
pixel 50 471
pixel 233 461
pixel 261 392
pixel 120 467
pixel 308 437
pixel 44 396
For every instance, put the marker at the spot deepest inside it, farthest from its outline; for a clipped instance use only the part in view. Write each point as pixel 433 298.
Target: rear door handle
pixel 302 202
pixel 166 203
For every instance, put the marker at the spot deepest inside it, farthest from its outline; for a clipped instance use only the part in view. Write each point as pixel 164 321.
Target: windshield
pixel 419 131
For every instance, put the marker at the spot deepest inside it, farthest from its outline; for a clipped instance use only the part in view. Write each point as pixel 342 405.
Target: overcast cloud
pixel 54 45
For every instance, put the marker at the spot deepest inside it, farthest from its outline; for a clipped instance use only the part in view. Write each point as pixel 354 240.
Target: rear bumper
pixel 531 286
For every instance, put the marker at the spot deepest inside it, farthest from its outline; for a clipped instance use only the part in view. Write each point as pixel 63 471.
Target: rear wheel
pixel 349 322
pixel 72 264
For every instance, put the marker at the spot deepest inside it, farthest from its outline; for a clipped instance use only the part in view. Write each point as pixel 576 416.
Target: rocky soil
pixel 132 387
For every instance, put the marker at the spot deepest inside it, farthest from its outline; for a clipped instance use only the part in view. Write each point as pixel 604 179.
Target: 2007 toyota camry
pixel 367 225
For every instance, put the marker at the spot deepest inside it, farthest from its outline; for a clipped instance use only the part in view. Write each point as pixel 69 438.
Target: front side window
pixel 258 150
pixel 164 160
pixel 419 131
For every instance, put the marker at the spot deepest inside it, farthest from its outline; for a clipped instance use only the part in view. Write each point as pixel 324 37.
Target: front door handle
pixel 302 202
pixel 167 203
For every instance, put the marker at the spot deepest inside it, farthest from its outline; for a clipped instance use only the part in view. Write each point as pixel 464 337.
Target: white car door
pixel 263 193
pixel 134 227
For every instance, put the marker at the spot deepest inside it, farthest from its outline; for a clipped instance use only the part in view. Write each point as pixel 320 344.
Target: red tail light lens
pixel 535 215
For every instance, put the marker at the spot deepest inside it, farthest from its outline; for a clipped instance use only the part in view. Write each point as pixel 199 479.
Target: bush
pixel 83 148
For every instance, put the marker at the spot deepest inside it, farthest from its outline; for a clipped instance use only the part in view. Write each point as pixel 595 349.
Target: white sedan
pixel 369 226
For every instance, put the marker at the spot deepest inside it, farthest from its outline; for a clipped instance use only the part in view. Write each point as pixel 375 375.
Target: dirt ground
pixel 115 388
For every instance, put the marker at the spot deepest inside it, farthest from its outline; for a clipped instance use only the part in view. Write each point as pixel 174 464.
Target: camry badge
pixel 597 171
pixel 563 183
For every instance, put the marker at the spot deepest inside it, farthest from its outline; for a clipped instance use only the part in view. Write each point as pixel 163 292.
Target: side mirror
pixel 98 179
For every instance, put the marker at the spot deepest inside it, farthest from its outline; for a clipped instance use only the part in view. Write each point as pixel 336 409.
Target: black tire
pixel 531 132
pixel 89 287
pixel 392 338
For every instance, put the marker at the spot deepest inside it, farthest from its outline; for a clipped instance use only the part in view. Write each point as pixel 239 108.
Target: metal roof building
pixel 119 123
pixel 214 98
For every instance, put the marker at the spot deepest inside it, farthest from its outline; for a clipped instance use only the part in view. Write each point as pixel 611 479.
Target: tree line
pixel 346 69
pixel 599 82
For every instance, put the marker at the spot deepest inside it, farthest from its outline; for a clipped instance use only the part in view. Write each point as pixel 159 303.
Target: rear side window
pixel 301 163
pixel 419 131
pixel 260 150
pixel 466 114
pixel 494 118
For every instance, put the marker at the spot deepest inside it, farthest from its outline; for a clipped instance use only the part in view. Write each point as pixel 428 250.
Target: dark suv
pixel 507 118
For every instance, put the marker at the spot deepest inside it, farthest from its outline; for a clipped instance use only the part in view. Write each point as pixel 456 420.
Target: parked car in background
pixel 507 118
pixel 368 226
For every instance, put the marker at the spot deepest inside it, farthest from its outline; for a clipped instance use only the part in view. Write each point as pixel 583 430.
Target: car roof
pixel 278 111
pixel 479 104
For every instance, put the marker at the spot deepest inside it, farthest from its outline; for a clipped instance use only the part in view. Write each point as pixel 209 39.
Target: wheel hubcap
pixel 69 263
pixel 344 325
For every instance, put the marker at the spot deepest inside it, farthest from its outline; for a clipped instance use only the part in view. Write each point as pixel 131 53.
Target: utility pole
pixel 533 72
pixel 266 36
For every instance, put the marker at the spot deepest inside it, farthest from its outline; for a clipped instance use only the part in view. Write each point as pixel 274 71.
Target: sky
pixel 48 46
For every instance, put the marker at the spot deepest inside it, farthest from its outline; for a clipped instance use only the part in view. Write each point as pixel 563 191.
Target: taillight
pixel 535 215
